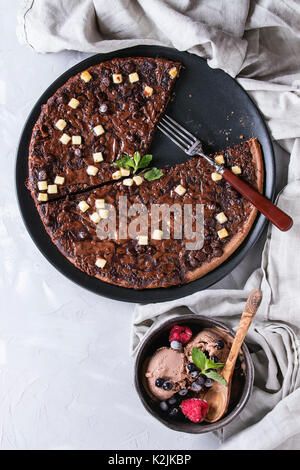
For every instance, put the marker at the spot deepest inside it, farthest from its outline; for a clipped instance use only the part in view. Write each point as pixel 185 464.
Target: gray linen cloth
pixel 259 43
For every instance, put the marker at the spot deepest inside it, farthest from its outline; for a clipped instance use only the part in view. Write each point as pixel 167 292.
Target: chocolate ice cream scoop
pixel 169 365
pixel 215 341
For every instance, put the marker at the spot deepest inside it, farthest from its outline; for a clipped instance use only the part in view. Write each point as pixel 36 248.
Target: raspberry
pixel 180 333
pixel 194 409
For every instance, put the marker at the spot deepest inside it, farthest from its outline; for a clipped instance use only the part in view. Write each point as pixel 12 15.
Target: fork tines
pixel 178 134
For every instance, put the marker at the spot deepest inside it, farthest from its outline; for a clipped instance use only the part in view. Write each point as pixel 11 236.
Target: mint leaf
pixel 125 161
pixel 217 377
pixel 136 159
pixel 213 365
pixel 199 358
pixel 145 161
pixel 153 174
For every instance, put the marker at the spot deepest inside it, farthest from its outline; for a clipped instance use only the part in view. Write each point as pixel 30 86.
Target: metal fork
pixel 193 146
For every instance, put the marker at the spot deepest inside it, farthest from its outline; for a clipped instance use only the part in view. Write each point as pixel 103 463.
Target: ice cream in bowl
pixel 180 363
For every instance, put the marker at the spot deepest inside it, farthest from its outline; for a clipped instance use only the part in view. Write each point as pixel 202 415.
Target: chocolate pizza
pixel 77 204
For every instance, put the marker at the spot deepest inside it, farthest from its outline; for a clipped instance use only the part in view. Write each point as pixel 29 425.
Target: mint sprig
pixel 207 366
pixel 136 161
pixel 153 174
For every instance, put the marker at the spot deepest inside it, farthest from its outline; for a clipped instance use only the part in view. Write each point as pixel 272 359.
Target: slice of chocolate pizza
pixel 109 109
pixel 148 256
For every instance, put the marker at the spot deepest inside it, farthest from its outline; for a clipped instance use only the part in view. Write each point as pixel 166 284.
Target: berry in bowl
pixel 179 362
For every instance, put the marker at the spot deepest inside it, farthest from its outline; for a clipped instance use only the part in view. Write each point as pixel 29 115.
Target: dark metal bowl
pixel 158 338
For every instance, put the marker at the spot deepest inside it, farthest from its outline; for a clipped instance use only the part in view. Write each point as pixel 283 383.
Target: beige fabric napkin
pixel 259 42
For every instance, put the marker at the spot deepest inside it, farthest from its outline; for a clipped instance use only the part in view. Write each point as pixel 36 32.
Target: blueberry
pixel 42 175
pixel 206 354
pixel 200 380
pixel 208 382
pixel 103 108
pixel 163 405
pixel 159 382
pixel 167 385
pixel 194 374
pixel 215 359
pixel 183 392
pixel 172 400
pixel 191 366
pixel 220 344
pixel 77 152
pixel 176 345
pixel 196 387
pixel 173 412
pixel 83 233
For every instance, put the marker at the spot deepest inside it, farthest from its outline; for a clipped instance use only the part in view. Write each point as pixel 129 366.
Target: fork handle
pixel 279 218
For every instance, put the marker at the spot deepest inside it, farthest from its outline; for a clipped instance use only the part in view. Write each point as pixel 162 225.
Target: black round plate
pixel 213 107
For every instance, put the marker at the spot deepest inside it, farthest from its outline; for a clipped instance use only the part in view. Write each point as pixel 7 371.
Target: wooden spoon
pixel 218 395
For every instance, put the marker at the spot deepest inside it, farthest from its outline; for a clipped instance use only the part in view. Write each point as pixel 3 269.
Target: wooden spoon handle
pixel 250 310
pixel 273 213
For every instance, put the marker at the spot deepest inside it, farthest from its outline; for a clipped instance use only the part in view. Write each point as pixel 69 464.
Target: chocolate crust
pixel 164 263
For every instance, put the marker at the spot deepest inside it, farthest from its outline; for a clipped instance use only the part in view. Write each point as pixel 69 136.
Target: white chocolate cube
pixel 52 188
pixel 134 77
pixel 98 157
pixel 143 240
pixel 138 180
pixel 76 140
pixel 92 170
pixel 83 206
pixel 157 234
pixel 86 76
pixel 221 218
pixel 116 175
pixel 100 262
pixel 60 124
pixel 148 90
pixel 180 190
pixel 173 72
pixel 42 185
pixel 219 159
pixel 125 172
pixel 216 176
pixel 73 103
pixel 59 180
pixel 43 197
pixel 65 139
pixel 222 233
pixel 95 217
pixel 99 130
pixel 128 182
pixel 117 78
pixel 103 213
pixel 236 170
pixel 99 203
